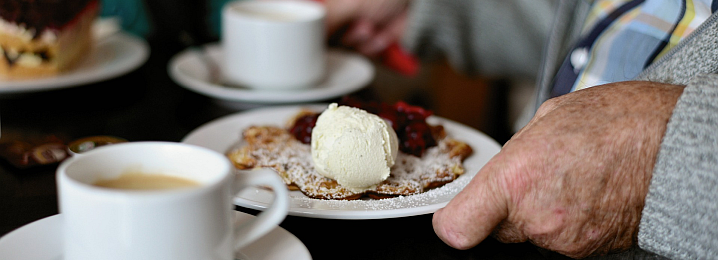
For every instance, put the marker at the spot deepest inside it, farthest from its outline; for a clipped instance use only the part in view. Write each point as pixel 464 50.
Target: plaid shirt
pixel 622 37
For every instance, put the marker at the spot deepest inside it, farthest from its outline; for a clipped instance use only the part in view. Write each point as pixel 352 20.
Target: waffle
pixel 275 147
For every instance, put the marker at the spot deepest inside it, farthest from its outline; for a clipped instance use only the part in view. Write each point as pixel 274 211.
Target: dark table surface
pixel 147 105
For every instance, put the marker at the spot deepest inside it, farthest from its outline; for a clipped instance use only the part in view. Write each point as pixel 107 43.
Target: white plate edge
pixel 127 63
pixel 339 214
pixel 262 97
pixel 53 223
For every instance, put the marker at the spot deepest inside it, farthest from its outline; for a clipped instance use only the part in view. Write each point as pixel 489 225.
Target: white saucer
pixel 347 72
pixel 42 240
pixel 111 57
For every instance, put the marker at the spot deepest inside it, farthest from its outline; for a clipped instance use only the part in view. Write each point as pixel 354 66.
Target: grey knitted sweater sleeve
pixel 502 38
pixel 680 217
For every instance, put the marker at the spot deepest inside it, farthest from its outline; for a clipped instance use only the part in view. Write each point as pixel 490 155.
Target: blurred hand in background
pixel 368 26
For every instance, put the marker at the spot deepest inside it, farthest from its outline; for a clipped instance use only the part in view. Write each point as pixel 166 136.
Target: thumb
pixel 473 214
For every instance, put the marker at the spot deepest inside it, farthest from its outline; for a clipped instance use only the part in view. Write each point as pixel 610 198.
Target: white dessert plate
pixel 224 133
pixel 42 240
pixel 111 57
pixel 346 73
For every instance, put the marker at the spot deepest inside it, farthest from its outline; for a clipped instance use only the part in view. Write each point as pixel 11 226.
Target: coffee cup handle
pixel 269 218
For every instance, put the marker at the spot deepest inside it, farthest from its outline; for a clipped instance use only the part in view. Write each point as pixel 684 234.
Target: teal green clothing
pixel 214 19
pixel 133 15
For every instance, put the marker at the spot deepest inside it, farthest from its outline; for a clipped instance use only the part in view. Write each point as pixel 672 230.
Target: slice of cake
pixel 40 38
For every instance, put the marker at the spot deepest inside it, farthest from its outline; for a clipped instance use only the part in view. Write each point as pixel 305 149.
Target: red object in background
pixel 401 61
pixel 398 59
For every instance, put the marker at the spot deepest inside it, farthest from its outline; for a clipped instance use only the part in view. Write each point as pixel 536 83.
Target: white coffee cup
pixel 188 223
pixel 274 44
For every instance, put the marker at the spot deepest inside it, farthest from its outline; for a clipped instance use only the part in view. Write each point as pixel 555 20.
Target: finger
pixel 359 33
pixel 390 33
pixel 474 213
pixel 382 12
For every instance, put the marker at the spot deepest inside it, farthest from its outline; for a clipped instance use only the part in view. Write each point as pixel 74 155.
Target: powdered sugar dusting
pixel 427 198
pixel 273 147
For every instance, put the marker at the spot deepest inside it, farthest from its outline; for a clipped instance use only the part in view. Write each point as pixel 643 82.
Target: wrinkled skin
pixel 372 25
pixel 574 180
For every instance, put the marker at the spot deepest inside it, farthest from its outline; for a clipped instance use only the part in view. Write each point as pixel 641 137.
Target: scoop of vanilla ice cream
pixel 353 147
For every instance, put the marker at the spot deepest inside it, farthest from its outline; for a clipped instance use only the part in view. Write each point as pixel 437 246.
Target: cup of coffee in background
pixel 159 200
pixel 273 44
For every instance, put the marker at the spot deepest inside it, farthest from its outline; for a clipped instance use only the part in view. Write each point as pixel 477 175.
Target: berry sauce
pixel 409 123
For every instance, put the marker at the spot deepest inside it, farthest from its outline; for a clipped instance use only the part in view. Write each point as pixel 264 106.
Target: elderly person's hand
pixel 574 180
pixel 371 25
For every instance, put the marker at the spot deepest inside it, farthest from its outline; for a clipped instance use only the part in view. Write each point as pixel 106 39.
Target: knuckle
pixel 547 106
